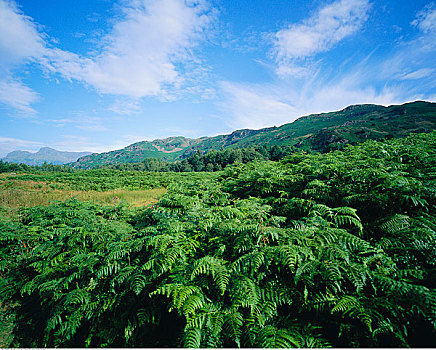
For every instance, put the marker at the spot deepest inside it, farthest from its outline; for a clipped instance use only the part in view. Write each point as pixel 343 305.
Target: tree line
pixel 210 161
pixel 213 160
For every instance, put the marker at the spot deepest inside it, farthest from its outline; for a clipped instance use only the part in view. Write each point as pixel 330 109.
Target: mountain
pixel 317 132
pixel 169 149
pixel 45 154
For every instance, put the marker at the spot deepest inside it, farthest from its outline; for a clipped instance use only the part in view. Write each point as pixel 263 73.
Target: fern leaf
pixel 192 338
pixel 272 337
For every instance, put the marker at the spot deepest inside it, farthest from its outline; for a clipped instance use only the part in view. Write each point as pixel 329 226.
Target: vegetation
pixel 20 194
pixel 320 132
pixel 6 167
pixel 314 133
pixel 210 161
pixel 315 250
pixel 100 179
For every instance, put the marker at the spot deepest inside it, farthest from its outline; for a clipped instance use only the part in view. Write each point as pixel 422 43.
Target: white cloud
pixel 20 42
pixel 264 105
pixel 19 37
pixel 426 19
pixel 126 107
pixel 290 69
pixel 83 122
pixel 307 86
pixel 253 106
pixel 143 51
pixel 76 143
pixel 148 51
pixel 319 33
pixel 425 22
pixel 418 74
pixel 9 144
pixel 18 96
pixel 414 59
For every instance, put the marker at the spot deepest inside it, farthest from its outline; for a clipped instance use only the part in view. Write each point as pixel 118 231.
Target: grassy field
pixel 16 194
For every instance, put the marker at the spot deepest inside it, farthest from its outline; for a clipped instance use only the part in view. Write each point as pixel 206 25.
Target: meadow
pixel 26 194
pixel 314 250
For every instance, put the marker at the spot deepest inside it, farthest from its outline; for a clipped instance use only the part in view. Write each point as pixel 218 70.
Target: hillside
pixel 167 149
pixel 45 154
pixel 317 132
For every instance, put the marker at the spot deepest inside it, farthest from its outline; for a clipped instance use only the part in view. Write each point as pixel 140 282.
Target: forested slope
pixel 317 132
pixel 335 249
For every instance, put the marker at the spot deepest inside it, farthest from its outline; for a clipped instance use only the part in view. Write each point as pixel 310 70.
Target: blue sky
pixel 99 75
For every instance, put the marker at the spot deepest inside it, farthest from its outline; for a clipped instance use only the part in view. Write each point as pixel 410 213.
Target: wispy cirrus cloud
pixel 83 122
pixel 17 95
pixel 148 51
pixel 425 19
pixel 304 87
pixel 318 33
pixel 9 144
pixel 254 105
pixel 414 59
pixel 418 74
pixel 263 105
pixel 425 22
pixel 20 38
pixel 125 106
pixel 20 42
pixel 143 53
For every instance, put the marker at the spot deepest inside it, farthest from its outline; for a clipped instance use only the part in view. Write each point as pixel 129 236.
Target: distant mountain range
pixel 316 132
pixel 45 154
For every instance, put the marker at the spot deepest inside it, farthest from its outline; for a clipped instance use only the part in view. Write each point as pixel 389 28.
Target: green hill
pixel 317 132
pixel 168 149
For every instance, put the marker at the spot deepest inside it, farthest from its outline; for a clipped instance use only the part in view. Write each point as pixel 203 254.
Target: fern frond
pixel 272 337
pixel 77 296
pixel 215 267
pixel 138 283
pixel 349 305
pixel 192 303
pixel 244 292
pixel 232 326
pixel 192 338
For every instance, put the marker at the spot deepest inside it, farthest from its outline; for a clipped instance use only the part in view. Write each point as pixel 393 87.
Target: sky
pixel 99 75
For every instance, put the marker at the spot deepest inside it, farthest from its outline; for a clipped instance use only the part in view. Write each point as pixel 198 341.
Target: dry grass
pixel 136 198
pixel 24 194
pixel 19 194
